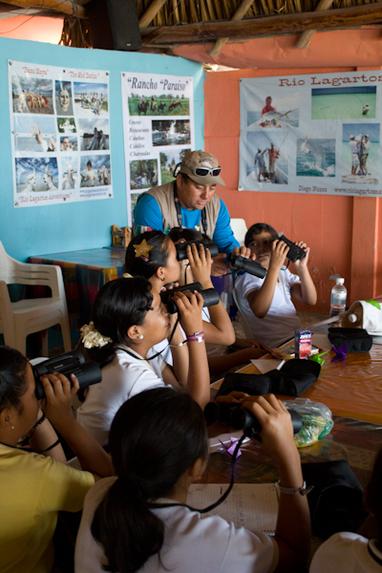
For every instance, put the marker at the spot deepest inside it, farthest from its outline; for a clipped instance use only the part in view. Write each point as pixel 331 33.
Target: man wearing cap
pixel 189 201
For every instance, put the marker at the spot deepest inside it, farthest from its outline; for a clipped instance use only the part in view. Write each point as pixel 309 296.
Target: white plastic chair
pixel 18 319
pixel 239 228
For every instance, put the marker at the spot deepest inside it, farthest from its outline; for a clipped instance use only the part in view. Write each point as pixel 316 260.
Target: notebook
pixel 250 505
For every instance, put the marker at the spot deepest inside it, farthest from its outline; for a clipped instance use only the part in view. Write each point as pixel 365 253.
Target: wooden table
pixel 353 391
pixel 352 440
pixel 352 388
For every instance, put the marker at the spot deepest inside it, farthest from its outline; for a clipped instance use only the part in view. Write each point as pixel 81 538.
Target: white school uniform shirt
pixel 122 378
pixel 347 553
pixel 191 543
pixel 164 358
pixel 281 319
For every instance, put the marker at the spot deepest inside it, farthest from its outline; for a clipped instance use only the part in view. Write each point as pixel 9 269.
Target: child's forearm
pixel 220 330
pixel 293 523
pixel 261 299
pixel 308 289
pixel 180 359
pixel 198 375
pixel 91 455
pixel 43 437
pixel 179 352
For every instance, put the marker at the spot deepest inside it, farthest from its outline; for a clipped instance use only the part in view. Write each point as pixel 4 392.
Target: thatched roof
pixel 166 24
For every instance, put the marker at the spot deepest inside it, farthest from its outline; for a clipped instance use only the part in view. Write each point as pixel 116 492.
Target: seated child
pixel 266 305
pixel 218 327
pixel 35 486
pixel 153 255
pixel 352 553
pixel 139 521
pixel 161 267
pixel 129 319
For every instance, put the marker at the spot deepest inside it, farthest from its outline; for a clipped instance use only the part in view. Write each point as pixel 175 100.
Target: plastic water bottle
pixel 338 297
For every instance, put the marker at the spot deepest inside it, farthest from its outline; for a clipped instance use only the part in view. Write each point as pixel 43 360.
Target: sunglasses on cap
pixel 204 171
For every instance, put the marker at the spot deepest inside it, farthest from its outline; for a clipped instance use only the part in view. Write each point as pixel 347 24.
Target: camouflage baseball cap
pixel 201 167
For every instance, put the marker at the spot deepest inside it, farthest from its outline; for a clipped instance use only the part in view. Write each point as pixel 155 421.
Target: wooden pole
pixel 306 36
pixel 238 15
pixel 151 12
pixel 342 18
pixel 66 7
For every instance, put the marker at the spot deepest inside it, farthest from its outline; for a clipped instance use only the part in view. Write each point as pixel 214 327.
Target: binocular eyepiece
pixel 241 419
pixel 88 373
pixel 295 252
pixel 181 248
pixel 210 296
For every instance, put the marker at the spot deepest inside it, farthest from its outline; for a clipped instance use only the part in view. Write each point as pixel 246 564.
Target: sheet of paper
pixel 253 506
pixel 265 365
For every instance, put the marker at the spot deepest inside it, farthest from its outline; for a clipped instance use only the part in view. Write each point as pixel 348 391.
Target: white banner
pixel 158 127
pixel 317 133
pixel 60 134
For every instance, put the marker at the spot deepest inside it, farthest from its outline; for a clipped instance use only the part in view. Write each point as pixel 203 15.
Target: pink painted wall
pixel 358 47
pixel 342 231
pixel 29 27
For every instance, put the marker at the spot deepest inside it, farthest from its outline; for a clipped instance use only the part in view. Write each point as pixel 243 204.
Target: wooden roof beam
pixel 238 15
pixel 342 18
pixel 150 13
pixel 66 7
pixel 305 38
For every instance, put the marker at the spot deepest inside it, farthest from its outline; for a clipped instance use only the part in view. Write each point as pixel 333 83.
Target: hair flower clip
pixel 142 250
pixel 91 338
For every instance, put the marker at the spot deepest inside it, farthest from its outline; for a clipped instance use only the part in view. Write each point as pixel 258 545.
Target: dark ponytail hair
pixel 119 304
pixel 12 377
pixel 258 228
pixel 157 257
pixel 154 438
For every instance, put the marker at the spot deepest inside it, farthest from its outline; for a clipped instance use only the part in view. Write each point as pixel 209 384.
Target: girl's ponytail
pixel 128 531
pixel 155 437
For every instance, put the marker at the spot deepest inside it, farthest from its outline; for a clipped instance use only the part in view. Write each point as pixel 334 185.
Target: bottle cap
pixel 340 281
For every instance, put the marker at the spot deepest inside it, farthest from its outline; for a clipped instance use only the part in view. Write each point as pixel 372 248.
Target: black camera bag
pixel 356 339
pixel 336 500
pixel 293 378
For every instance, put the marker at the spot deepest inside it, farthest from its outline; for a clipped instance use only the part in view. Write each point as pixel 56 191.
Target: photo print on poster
pixel 58 116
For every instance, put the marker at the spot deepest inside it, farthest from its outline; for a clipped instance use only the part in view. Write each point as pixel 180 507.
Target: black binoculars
pixel 240 263
pixel 210 296
pixel 241 419
pixel 181 248
pixel 295 252
pixel 88 373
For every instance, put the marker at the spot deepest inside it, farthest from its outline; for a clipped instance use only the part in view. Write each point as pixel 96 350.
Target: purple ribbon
pixel 231 448
pixel 340 352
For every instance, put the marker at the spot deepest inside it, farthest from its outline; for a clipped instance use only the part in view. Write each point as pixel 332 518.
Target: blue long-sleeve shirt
pixel 147 213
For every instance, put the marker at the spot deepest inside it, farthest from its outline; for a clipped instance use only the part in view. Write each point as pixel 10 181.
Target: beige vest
pixel 165 197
